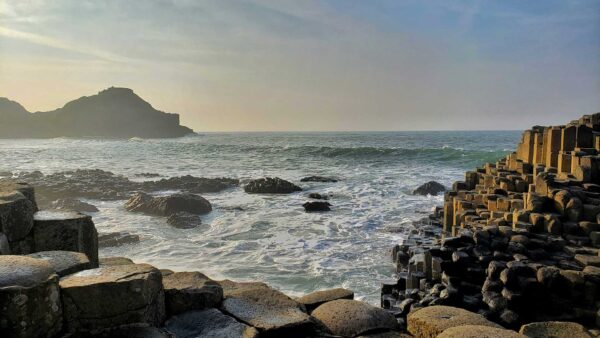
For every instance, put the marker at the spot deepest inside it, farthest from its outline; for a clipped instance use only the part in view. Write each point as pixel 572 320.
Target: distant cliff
pixel 114 112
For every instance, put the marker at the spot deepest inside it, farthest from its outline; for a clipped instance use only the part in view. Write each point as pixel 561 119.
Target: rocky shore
pixel 516 242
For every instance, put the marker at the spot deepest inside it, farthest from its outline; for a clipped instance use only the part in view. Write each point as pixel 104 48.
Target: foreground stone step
pixel 185 291
pixel 66 230
pixel 554 330
pixel 208 323
pixel 111 296
pixel 478 331
pixel 312 300
pixel 433 320
pixel 29 298
pixel 64 262
pixel 350 318
pixel 270 311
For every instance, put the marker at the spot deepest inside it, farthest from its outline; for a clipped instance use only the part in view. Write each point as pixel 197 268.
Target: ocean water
pixel 269 237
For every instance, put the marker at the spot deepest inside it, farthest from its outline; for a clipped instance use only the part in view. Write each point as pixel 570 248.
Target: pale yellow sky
pixel 311 65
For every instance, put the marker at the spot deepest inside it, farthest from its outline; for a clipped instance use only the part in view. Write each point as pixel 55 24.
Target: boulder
pixel 185 291
pixel 111 239
pixel 266 309
pixel 478 331
pixel 4 245
pixel 271 185
pixel 209 323
pixel 64 262
pixel 430 188
pixel 113 261
pixel 112 296
pixel 316 206
pixel 16 215
pixel 67 231
pixel 554 330
pixel 317 196
pixel 29 298
pixel 184 220
pixel 314 299
pixel 73 204
pixel 318 179
pixel 350 318
pixel 168 205
pixel 433 320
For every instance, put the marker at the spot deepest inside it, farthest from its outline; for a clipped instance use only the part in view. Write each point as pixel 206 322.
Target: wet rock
pixel 184 220
pixel 111 239
pixel 168 205
pixel 210 323
pixel 147 175
pixel 312 300
pixel 317 196
pixel 430 188
pixel 73 204
pixel 185 291
pixel 114 261
pixel 270 185
pixel 16 215
pixel 432 321
pixel 66 231
pixel 191 184
pixel 478 331
pixel 122 295
pixel 64 262
pixel 555 330
pixel 316 206
pixel 318 179
pixel 29 298
pixel 350 318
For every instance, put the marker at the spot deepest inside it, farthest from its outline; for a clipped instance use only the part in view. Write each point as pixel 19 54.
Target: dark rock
pixel 270 185
pixel 114 261
pixel 168 205
pixel 73 204
pixel 316 206
pixel 185 291
pixel 430 188
pixel 16 213
pixel 317 196
pixel 191 184
pixel 318 179
pixel 184 220
pixel 210 323
pixel 112 239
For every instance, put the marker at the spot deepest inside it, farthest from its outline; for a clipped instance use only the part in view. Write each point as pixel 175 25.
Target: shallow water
pixel 270 237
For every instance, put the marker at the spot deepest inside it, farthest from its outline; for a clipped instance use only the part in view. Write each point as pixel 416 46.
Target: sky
pixel 290 65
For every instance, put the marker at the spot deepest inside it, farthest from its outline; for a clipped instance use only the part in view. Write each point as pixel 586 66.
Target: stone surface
pixel 312 300
pixel 74 205
pixel 316 206
pixel 184 220
pixel 554 330
pixel 67 231
pixel 130 332
pixel 168 205
pixel 433 320
pixel 185 291
pixel 478 331
pixel 111 296
pixel 430 188
pixel 114 261
pixel 16 215
pixel 271 185
pixel 118 238
pixel 29 298
pixel 64 262
pixel 209 323
pixel 350 318
pixel 318 179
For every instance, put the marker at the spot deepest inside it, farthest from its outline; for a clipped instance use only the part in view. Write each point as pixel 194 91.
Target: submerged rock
pixel 318 179
pixel 430 188
pixel 210 323
pixel 316 206
pixel 317 196
pixel 168 205
pixel 184 220
pixel 111 239
pixel 73 204
pixel 270 185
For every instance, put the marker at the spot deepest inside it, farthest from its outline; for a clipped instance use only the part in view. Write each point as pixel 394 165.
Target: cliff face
pixel 114 112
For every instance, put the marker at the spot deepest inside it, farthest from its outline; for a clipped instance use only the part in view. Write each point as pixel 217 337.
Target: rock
pixel 147 175
pixel 387 334
pixel 586 260
pixel 351 318
pixel 184 220
pixel 132 332
pixel 316 206
pixel 73 204
pixel 111 239
pixel 16 215
pixel 114 261
pixel 168 205
pixel 433 320
pixel 185 291
pixel 4 246
pixel 64 262
pixel 478 331
pixel 430 188
pixel 318 179
pixel 267 309
pixel 312 300
pixel 209 323
pixel 191 184
pixel 122 295
pixel 29 298
pixel 317 196
pixel 269 185
pixel 554 330
pixel 67 231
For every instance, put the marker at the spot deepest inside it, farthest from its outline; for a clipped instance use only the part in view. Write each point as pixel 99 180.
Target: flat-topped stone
pixel 64 262
pixel 7 186
pixel 554 330
pixel 433 320
pixel 209 323
pixel 113 261
pixel 478 331
pixel 312 300
pixel 29 298
pixel 112 296
pixel 350 318
pixel 185 291
pixel 66 230
pixel 16 215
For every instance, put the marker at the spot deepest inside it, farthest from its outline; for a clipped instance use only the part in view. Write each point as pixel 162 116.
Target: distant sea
pixel 270 237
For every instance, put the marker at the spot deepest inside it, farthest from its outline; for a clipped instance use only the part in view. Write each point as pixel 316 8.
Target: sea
pixel 271 238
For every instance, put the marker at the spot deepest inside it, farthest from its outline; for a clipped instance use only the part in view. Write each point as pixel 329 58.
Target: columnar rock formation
pixel 518 239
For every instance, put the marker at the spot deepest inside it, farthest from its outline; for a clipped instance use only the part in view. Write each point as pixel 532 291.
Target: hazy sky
pixel 312 65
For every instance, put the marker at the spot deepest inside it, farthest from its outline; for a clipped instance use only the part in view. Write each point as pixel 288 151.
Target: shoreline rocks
pixel 316 206
pixel 168 205
pixel 432 188
pixel 271 185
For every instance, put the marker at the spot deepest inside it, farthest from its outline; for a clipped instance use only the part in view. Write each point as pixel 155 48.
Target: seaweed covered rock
pixel 168 205
pixel 271 185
